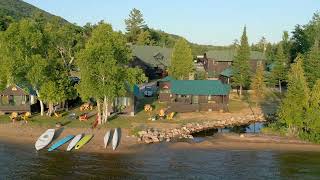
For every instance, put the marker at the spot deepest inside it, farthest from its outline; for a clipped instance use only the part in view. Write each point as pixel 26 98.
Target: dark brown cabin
pixel 216 61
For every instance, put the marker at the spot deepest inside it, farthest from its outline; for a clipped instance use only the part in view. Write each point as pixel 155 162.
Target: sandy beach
pixel 24 134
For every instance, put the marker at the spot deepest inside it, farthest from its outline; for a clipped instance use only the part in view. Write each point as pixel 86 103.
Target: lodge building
pixel 194 95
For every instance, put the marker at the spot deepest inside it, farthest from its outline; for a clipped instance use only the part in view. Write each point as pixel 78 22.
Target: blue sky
pixel 216 22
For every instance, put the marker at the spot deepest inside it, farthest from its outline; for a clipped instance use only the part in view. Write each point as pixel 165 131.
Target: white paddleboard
pixel 115 139
pixel 45 139
pixel 106 139
pixel 74 141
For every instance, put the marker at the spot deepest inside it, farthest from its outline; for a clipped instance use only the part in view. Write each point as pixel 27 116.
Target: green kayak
pixel 83 141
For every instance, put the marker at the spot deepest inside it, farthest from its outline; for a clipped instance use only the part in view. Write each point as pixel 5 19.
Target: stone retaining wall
pixel 154 136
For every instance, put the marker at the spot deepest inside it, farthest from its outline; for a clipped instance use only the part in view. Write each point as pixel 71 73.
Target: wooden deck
pixel 18 108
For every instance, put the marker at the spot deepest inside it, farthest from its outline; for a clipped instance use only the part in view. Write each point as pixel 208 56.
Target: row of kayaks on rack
pixel 76 142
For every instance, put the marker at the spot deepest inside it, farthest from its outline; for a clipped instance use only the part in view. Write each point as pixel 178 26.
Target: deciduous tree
pixel 181 60
pixel 258 84
pixel 103 68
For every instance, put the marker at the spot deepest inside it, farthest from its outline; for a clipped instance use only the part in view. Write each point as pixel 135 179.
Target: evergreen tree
pixel 313 113
pixel 278 72
pixel 286 44
pixel 311 64
pixel 296 102
pixel 258 84
pixel 240 64
pixel 135 24
pixel 181 60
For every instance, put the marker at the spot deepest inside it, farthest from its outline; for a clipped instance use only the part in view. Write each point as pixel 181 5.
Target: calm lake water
pixel 157 162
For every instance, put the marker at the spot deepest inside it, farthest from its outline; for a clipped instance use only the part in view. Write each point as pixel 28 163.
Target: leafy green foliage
pixel 258 84
pixel 240 66
pixel 144 38
pixel 181 60
pixel 103 64
pixel 304 36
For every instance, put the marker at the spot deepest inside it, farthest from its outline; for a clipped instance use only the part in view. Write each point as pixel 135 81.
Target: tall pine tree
pixel 181 60
pixel 278 72
pixel 240 64
pixel 135 24
pixel 293 108
pixel 311 65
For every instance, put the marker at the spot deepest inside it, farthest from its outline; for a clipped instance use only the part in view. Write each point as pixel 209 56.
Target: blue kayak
pixel 60 142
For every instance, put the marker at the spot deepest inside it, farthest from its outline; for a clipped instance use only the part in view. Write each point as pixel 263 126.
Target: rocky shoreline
pixel 152 135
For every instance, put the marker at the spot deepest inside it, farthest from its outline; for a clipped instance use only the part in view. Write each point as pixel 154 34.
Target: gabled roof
pixel 18 90
pixel 152 55
pixel 227 72
pixel 199 87
pixel 228 55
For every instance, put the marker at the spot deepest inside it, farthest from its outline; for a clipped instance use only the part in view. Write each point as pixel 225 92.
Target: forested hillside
pixel 18 9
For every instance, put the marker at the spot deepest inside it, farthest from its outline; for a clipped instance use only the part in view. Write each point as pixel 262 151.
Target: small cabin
pixel 17 99
pixel 194 95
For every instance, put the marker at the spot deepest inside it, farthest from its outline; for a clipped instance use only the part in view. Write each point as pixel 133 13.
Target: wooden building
pixel 194 95
pixel 216 61
pixel 153 60
pixel 225 75
pixel 126 105
pixel 17 99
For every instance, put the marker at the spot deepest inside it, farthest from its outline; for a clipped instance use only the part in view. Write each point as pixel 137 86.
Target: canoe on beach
pixel 115 139
pixel 45 139
pixel 106 138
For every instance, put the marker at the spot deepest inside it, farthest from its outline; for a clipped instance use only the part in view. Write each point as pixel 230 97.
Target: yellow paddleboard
pixel 83 141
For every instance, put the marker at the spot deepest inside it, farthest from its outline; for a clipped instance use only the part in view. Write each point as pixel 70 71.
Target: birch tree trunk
pixel 105 109
pixel 41 104
pixel 99 112
pixel 50 110
pixel 240 91
pixel 280 88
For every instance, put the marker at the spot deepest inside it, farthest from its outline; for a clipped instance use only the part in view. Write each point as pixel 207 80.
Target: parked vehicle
pixel 148 91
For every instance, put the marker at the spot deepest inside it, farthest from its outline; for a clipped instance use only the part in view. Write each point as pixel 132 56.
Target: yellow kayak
pixel 83 141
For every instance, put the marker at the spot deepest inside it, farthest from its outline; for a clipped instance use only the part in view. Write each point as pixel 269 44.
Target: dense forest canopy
pixel 43 50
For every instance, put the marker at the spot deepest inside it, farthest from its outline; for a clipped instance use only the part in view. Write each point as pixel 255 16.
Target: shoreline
pixel 27 135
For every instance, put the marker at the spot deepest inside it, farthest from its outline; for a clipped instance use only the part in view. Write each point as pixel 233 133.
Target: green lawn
pixel 121 121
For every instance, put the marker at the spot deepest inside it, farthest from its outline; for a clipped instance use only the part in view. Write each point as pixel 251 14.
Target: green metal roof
pixel 151 54
pixel 227 72
pixel 166 79
pixel 199 87
pixel 228 55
